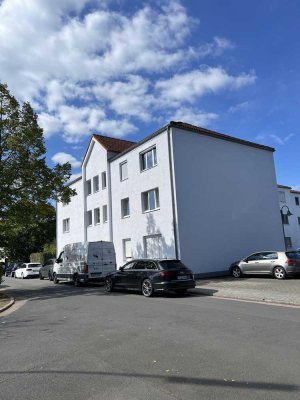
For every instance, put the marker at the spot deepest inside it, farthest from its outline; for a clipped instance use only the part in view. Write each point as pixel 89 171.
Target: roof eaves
pixel 284 187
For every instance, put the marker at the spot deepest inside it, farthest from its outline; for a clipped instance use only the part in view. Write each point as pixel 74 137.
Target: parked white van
pixel 85 262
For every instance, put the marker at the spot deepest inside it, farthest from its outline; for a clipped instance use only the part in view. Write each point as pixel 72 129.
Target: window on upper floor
pixel 123 171
pixel 89 218
pixel 298 220
pixel 104 213
pixel 96 183
pixel 125 212
pixel 150 200
pixel 103 179
pixel 97 216
pixel 148 159
pixel 88 187
pixel 66 225
pixel 281 196
pixel 297 201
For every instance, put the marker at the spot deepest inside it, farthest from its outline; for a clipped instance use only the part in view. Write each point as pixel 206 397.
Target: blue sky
pixel 126 68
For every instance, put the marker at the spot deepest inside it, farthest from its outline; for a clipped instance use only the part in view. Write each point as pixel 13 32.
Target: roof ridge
pixel 113 138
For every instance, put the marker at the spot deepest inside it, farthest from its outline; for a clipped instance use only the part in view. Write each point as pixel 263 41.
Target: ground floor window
pixel 153 246
pixel 127 251
pixel 288 242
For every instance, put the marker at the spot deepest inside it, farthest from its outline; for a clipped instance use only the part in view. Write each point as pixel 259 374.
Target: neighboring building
pixel 183 192
pixel 289 200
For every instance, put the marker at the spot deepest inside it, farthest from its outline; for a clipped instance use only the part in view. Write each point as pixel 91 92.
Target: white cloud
pixel 296 187
pixel 239 107
pixel 62 158
pixel 281 140
pixel 196 83
pixel 88 68
pixel 193 117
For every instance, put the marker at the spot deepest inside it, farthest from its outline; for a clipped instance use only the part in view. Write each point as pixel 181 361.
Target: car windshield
pixel 293 254
pixel 172 264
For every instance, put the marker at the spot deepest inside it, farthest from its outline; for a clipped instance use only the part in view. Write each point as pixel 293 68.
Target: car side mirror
pixel 59 260
pixel 246 260
pixel 121 269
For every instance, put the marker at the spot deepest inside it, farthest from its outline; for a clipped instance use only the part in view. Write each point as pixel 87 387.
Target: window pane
pixel 127 249
pixel 97 216
pixel 104 213
pixel 89 218
pixel 151 194
pixel 154 156
pixel 96 183
pixel 103 175
pixel 125 208
pixel 88 187
pixel 124 171
pixel 149 159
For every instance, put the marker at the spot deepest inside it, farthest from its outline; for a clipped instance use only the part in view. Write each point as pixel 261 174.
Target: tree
pixel 27 184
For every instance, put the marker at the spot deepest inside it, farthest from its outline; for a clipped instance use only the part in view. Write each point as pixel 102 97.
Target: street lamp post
pixel 288 214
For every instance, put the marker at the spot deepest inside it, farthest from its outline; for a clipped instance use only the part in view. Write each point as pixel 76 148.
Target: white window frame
pixel 66 225
pixel 126 257
pixel 122 164
pixel 144 165
pixel 96 184
pixel 146 200
pixel 104 213
pixel 89 218
pixel 123 209
pixel 97 216
pixel 103 180
pixel 88 187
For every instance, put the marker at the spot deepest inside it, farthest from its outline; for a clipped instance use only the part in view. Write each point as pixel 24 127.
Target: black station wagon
pixel 149 276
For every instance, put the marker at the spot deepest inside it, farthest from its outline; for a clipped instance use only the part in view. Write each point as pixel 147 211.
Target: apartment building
pixel 289 202
pixel 182 192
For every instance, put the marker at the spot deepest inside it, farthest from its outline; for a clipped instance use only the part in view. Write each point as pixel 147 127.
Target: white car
pixel 28 269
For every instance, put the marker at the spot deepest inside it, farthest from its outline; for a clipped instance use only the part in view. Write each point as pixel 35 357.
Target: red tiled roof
pixel 113 144
pixel 295 191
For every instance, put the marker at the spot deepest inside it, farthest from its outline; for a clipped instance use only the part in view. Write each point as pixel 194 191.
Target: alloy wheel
pixel 279 273
pixel 236 272
pixel 147 288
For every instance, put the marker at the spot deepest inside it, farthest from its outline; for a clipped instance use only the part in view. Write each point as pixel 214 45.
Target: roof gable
pixel 113 144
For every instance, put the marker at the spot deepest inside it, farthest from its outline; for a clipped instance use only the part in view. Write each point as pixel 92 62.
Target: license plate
pixel 182 277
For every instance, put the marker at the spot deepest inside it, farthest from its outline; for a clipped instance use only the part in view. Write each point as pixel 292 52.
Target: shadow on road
pixel 61 290
pixel 182 380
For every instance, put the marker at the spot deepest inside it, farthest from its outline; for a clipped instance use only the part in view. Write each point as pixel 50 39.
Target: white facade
pixel 289 200
pixel 183 192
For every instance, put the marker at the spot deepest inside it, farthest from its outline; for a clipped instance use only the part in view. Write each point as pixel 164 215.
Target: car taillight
pixel 85 269
pixel 291 262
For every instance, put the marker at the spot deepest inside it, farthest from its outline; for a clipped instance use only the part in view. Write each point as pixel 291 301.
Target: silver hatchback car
pixel 279 264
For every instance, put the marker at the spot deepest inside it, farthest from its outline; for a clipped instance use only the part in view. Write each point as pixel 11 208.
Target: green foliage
pixel 27 184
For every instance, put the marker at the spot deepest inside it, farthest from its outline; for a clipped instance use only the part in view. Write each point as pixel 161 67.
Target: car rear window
pixel 293 254
pixel 172 264
pixel 33 265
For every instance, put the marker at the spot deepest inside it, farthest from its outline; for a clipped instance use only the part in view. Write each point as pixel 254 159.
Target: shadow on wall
pixel 154 244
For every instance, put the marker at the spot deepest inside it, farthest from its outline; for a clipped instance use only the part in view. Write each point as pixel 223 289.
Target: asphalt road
pixel 81 343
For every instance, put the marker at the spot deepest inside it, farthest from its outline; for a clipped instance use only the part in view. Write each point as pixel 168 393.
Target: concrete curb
pixel 12 301
pixel 246 299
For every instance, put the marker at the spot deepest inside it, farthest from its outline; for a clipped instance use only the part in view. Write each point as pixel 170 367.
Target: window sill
pixel 125 216
pixel 147 169
pixel 96 191
pixel 125 179
pixel 148 211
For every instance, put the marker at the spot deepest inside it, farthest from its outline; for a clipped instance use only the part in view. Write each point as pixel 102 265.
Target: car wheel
pixel 147 288
pixel 76 281
pixel 109 285
pixel 55 280
pixel 41 276
pixel 279 273
pixel 50 277
pixel 236 272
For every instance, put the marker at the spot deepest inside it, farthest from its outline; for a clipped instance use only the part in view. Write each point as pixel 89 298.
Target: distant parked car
pixel 27 270
pixel 11 268
pixel 46 270
pixel 149 276
pixel 279 264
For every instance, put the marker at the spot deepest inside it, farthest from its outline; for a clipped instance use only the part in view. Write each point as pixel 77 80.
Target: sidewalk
pixel 265 289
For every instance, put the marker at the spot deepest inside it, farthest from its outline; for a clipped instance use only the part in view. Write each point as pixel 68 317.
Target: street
pixel 81 343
